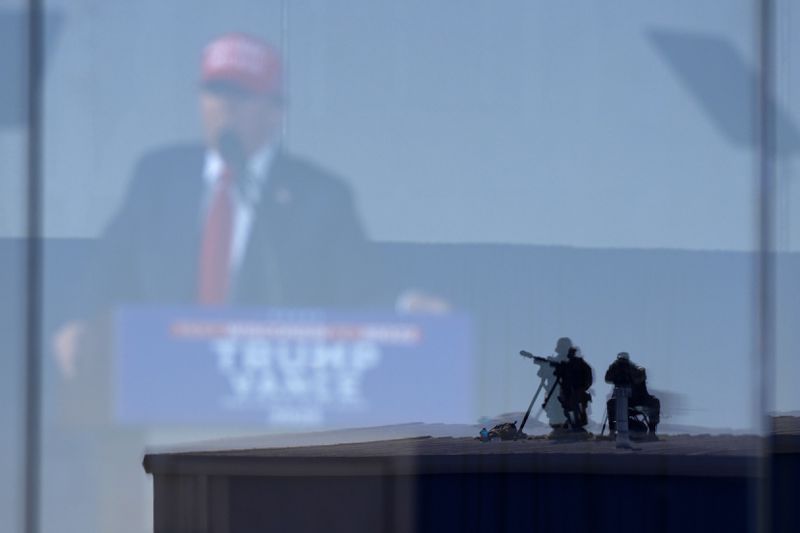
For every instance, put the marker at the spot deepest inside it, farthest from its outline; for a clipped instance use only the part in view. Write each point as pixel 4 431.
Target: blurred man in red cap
pixel 231 220
pixel 234 220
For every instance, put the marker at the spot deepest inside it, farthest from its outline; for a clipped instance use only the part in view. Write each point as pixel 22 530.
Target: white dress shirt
pixel 245 198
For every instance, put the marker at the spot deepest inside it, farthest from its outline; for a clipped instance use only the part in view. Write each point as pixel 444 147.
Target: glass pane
pixel 787 397
pixel 293 223
pixel 13 201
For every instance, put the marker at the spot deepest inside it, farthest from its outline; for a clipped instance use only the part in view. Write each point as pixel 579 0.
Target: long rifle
pixel 539 360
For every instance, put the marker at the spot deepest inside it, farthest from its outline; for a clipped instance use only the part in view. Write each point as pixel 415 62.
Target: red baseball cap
pixel 242 62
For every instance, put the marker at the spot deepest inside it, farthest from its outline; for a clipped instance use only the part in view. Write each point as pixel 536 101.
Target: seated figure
pixel 624 373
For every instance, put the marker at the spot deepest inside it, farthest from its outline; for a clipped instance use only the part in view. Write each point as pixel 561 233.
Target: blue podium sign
pixel 288 367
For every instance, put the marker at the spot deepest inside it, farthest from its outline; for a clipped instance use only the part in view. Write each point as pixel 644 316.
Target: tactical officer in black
pixel 624 373
pixel 576 378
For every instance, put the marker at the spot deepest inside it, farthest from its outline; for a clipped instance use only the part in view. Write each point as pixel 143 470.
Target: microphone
pixel 231 148
pixel 233 153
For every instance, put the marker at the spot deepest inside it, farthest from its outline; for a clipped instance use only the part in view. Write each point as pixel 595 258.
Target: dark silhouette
pixel 546 373
pixel 644 409
pixel 573 376
pixel 576 377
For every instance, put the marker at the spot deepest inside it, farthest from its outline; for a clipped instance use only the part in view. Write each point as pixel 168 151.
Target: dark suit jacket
pixel 306 247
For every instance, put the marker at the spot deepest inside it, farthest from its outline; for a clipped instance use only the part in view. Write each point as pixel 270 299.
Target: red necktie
pixel 215 251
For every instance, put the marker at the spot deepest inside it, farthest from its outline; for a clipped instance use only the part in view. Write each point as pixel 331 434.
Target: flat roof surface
pixel 717 455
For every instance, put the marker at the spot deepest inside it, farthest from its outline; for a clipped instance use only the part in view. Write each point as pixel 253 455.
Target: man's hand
pixel 66 341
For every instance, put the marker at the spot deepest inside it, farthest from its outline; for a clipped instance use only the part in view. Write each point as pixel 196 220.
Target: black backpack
pixel 586 375
pixel 506 431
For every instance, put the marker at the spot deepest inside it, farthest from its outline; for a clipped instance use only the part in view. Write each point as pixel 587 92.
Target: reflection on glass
pixel 282 218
